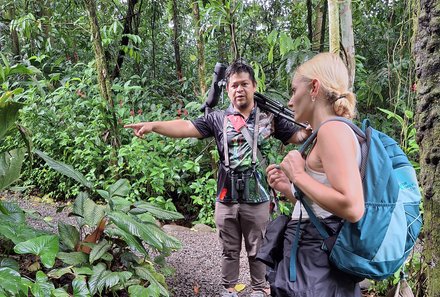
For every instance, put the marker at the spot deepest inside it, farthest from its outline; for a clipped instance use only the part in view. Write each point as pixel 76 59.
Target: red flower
pixel 414 87
pixel 132 113
pixel 139 111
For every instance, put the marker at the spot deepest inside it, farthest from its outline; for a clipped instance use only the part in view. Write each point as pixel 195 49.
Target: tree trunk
pixel 348 39
pixel 200 49
pixel 333 24
pixel 153 40
pixel 102 70
pixel 427 49
pixel 309 22
pixel 232 31
pixel 176 34
pixel 324 23
pixel 128 29
pixel 318 27
pixel 14 35
pixel 221 45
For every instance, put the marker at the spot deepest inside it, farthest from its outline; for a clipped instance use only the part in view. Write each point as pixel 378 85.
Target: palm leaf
pixel 8 116
pixel 97 280
pixel 156 280
pixel 132 241
pixel 90 213
pixel 119 189
pixel 156 211
pixel 69 235
pixel 144 231
pixel 65 169
pixel 99 250
pixel 73 258
pixel 79 286
pixel 10 166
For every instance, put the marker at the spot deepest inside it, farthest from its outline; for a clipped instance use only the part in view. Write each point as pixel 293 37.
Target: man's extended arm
pixel 175 128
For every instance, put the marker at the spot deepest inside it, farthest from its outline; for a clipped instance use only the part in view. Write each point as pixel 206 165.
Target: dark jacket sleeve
pixel 284 129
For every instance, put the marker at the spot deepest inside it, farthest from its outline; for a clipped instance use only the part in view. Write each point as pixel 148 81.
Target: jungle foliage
pixel 159 56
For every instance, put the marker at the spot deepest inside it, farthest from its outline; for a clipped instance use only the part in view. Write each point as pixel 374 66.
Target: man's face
pixel 241 90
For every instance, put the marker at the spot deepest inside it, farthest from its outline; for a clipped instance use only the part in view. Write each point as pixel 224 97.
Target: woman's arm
pixel 336 149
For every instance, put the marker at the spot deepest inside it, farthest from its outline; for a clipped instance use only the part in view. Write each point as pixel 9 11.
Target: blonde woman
pixel 328 176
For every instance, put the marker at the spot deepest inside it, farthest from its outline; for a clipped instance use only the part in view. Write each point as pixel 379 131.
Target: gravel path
pixel 196 265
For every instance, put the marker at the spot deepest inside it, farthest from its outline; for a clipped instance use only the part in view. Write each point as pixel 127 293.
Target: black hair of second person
pixel 238 66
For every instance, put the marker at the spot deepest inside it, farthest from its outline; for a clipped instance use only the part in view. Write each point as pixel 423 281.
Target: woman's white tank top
pixel 322 178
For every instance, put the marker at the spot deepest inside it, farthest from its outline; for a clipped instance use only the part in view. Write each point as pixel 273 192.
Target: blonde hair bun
pixel 332 73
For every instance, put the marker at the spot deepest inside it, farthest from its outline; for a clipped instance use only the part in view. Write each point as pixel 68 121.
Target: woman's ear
pixel 315 87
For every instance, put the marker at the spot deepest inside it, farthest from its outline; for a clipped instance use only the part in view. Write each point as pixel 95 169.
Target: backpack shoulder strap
pixel 300 195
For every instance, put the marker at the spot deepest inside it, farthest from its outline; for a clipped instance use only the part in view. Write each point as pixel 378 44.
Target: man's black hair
pixel 239 66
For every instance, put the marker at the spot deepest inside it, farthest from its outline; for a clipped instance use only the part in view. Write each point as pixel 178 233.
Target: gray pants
pixel 233 222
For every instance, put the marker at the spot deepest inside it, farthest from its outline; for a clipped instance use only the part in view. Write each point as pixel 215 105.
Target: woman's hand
pixel 278 180
pixel 293 165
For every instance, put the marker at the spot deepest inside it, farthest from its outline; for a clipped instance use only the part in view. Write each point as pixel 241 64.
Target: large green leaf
pixel 69 235
pixel 12 213
pixel 42 286
pixel 8 116
pixel 97 280
pixel 82 271
pixel 119 189
pixel 90 213
pixel 156 211
pixel 132 241
pixel 65 169
pixel 140 291
pixel 157 280
pixel 60 292
pixel 73 258
pixel 10 166
pixel 144 231
pixel 10 280
pixel 3 209
pixel 57 273
pixel 148 232
pixel 9 262
pixel 45 246
pixel 18 233
pixel 99 250
pixel 79 286
pixel 24 69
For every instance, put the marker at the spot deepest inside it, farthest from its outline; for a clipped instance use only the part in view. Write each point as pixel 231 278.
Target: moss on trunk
pixel 428 134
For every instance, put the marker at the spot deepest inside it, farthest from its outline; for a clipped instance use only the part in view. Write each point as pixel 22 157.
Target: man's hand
pixel 301 135
pixel 140 129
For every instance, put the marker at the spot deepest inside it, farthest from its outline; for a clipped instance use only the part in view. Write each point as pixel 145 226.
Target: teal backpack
pixel 376 246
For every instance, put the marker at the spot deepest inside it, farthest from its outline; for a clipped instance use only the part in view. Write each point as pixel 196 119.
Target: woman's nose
pixel 290 103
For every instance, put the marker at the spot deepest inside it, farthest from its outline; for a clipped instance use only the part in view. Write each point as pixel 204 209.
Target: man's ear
pixel 315 87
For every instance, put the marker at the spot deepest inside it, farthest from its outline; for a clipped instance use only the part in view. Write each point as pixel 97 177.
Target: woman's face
pixel 300 102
